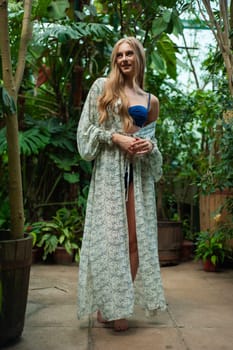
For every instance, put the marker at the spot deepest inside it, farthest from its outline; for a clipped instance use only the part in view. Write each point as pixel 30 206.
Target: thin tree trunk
pixel 12 85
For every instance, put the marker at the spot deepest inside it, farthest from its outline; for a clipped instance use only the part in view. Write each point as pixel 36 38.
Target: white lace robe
pixel 105 281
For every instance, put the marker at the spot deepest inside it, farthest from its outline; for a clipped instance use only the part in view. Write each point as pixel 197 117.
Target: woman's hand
pixel 124 142
pixel 132 145
pixel 141 146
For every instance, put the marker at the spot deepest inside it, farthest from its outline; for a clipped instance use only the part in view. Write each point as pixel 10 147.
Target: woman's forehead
pixel 124 47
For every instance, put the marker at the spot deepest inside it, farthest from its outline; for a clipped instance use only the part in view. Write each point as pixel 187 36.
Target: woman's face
pixel 125 60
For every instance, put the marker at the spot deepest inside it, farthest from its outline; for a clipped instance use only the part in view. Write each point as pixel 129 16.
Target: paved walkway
pixel 199 314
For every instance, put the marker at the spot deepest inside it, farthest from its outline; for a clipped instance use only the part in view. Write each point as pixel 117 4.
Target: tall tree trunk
pixel 221 29
pixel 12 84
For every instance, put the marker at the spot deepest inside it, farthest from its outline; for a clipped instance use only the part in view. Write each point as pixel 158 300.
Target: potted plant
pixel 210 248
pixel 15 248
pixel 61 236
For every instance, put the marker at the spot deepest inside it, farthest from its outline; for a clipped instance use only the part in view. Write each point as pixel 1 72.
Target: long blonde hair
pixel 113 90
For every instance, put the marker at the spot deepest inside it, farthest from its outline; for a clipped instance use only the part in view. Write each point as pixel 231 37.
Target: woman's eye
pixel 129 53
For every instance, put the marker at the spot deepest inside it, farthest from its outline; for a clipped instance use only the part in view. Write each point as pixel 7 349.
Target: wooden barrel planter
pixel 15 263
pixel 170 240
pixel 209 207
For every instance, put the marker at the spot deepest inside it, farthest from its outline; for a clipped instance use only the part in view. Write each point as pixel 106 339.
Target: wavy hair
pixel 113 90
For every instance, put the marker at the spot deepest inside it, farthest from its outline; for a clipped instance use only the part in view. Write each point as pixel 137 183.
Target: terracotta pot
pixel 61 256
pixel 208 266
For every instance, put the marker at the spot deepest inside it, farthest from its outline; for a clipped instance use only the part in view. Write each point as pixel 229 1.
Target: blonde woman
pixel 119 264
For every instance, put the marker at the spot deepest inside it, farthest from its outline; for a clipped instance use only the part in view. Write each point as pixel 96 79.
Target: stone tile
pixel 53 315
pixel 208 338
pixel 137 339
pixel 51 338
pixel 53 282
pixel 199 314
pixel 202 316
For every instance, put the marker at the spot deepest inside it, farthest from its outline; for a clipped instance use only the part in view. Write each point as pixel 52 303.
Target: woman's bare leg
pixel 122 324
pixel 133 247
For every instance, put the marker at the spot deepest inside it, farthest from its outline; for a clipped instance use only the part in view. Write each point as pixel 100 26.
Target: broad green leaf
pixel 159 26
pixel 71 178
pixel 158 63
pixel 57 31
pixel 167 16
pixel 3 141
pixel 62 162
pixel 32 141
pixel 177 24
pixel 7 102
pixel 167 51
pixel 57 8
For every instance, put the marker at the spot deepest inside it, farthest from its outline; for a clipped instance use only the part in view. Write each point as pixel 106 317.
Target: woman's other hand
pixel 124 142
pixel 141 146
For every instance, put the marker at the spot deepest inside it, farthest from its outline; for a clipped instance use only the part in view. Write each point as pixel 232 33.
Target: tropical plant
pixel 211 246
pixel 64 229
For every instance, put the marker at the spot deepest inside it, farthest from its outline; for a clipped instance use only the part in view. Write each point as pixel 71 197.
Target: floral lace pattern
pixel 105 281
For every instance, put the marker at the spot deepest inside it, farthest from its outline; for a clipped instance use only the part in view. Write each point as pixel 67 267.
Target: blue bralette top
pixel 139 113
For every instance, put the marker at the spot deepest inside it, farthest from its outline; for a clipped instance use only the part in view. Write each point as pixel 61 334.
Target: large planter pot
pixel 15 263
pixel 170 240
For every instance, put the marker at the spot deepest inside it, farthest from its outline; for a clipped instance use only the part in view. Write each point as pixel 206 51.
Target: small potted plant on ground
pixel 61 236
pixel 210 248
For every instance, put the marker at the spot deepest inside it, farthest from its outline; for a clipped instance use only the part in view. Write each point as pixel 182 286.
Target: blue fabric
pixel 139 113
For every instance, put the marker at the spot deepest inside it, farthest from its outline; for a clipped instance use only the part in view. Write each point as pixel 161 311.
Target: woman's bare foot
pixel 121 325
pixel 100 318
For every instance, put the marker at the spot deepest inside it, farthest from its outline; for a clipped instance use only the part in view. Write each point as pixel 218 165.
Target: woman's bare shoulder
pixel 154 108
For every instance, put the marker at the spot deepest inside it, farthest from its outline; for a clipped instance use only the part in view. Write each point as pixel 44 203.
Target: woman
pixel 119 264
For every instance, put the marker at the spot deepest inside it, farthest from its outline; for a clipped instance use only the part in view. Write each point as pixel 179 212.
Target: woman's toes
pixel 121 325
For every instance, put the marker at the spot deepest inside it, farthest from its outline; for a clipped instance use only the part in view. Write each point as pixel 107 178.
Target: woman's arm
pixel 90 135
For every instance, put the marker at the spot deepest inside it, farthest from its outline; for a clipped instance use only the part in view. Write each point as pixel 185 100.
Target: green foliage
pixel 65 229
pixel 51 9
pixel 32 141
pixel 68 30
pixel 67 41
pixel 7 103
pixel 4 214
pixel 211 246
pixel 151 22
pixel 35 231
